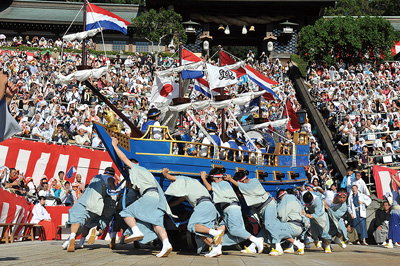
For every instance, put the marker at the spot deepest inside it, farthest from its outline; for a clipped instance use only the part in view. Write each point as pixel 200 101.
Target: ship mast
pixel 135 131
pixel 84 55
pixel 222 97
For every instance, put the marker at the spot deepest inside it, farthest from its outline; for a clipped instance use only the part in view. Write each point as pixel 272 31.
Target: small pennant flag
pixel 71 172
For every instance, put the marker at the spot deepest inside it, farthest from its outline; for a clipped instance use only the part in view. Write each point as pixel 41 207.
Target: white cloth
pixel 8 125
pixel 39 213
pixel 363 207
pixel 46 193
pixel 362 187
pixel 81 35
pixel 83 75
pixel 220 77
pixel 31 187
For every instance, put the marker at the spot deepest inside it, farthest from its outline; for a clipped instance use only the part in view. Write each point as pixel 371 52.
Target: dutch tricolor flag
pixel 202 86
pixel 188 58
pixel 71 172
pixel 261 80
pixel 98 17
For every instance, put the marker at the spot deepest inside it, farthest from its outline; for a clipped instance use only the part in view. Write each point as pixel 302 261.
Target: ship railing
pixel 165 135
pixel 201 150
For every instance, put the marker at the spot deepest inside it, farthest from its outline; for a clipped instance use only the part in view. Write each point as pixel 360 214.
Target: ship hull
pixel 155 155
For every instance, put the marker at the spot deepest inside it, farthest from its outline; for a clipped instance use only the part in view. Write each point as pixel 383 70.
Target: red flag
pixel 383 180
pixel 227 60
pixel 293 125
pixel 268 96
pixel 189 57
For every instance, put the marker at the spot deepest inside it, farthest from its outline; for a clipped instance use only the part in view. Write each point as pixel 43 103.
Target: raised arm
pixel 168 175
pixel 3 84
pixel 120 154
pixel 230 179
pixel 396 181
pixel 203 176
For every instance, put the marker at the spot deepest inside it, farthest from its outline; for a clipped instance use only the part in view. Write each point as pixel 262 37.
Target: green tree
pixel 159 26
pixel 352 8
pixel 347 38
pixel 386 7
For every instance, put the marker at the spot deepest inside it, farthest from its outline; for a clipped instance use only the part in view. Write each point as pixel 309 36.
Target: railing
pixel 55 142
pixel 201 150
pixel 370 136
pixel 341 116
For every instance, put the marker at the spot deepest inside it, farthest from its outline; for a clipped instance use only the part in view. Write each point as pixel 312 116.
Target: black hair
pixel 279 191
pixel 133 160
pixel 67 183
pixel 215 171
pixel 109 170
pixel 290 191
pixel 308 197
pixel 41 198
pixel 61 172
pixel 240 174
pixel 341 190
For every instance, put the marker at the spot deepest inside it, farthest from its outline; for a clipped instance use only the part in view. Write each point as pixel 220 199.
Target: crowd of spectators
pixel 361 105
pixel 58 190
pixel 50 111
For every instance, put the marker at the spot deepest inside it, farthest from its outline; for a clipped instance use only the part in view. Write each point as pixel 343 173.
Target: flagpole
pixel 180 74
pixel 84 57
pixel 222 93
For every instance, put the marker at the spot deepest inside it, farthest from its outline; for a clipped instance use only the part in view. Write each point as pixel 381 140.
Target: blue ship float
pixel 284 168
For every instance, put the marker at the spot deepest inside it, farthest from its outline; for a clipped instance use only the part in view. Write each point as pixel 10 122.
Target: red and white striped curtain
pixel 36 159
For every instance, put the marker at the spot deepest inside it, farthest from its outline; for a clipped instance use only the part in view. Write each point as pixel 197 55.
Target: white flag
pixel 163 90
pixel 219 77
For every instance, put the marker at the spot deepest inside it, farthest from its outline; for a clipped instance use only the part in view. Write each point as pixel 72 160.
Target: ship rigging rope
pixel 70 25
pixel 259 156
pixel 215 155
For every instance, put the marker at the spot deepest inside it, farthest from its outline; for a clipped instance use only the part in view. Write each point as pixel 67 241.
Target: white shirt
pixel 87 128
pixel 39 213
pixel 362 187
pixel 31 187
pixel 46 193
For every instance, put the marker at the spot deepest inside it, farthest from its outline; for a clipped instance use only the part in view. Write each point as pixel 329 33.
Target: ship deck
pixel 50 253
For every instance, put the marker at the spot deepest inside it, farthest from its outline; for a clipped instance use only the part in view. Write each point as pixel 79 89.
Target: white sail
pixel 167 72
pixel 276 123
pixel 83 75
pixel 242 99
pixel 193 66
pixel 81 35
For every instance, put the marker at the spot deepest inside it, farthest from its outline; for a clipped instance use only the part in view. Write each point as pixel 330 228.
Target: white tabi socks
pixel 65 244
pixel 215 251
pixel 136 235
pixel 259 242
pixel 250 249
pixel 71 242
pixel 300 247
pixel 166 249
pixel 218 235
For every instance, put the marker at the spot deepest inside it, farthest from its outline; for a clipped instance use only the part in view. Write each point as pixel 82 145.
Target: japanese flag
pixel 219 77
pixel 30 56
pixel 163 90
